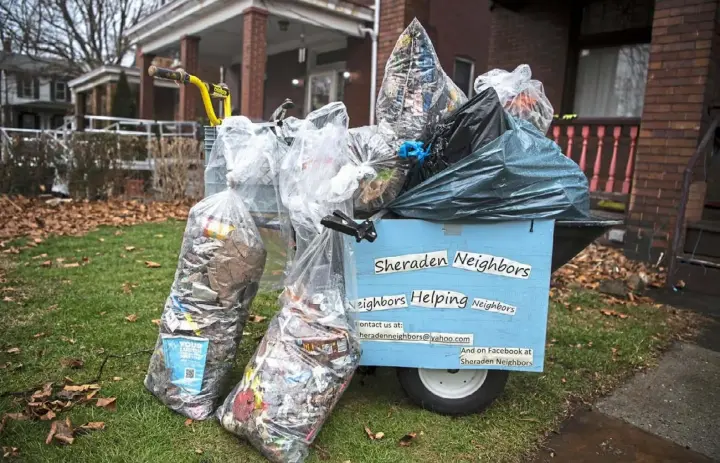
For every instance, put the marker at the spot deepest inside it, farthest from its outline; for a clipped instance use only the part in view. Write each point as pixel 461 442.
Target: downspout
pixel 373 59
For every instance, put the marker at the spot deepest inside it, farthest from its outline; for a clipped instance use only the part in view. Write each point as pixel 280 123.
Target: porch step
pixel 702 238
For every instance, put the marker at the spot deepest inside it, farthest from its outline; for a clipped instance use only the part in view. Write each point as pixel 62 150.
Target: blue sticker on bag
pixel 185 358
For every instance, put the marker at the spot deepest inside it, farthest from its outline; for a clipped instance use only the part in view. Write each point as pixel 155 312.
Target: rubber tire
pixel 474 403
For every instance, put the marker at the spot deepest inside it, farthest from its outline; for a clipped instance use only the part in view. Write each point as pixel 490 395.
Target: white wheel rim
pixel 452 384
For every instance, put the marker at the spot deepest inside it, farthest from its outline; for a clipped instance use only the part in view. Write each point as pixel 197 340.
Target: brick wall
pixel 357 89
pixel 538 35
pixel 254 48
pixel 281 70
pixel 680 83
pixel 463 30
pixel 190 62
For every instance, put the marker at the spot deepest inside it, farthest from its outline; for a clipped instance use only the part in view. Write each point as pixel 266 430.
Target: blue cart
pixel 453 306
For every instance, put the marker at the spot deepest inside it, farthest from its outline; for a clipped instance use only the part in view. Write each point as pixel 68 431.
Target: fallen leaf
pixel 81 387
pixel 13 350
pixel 71 341
pixel 91 395
pixel 38 335
pixel 71 265
pixel 72 363
pixel 10 452
pixel 127 289
pixel 60 260
pixel 607 312
pixel 131 318
pixel 379 435
pixel 159 236
pixel 199 451
pixel 156 321
pixel 50 415
pixel 40 256
pixel 623 316
pixel 188 422
pixel 102 240
pixel 45 393
pixel 257 318
pixel 16 416
pixel 563 380
pixel 52 307
pixel 407 439
pixel 129 248
pixel 117 378
pixel 151 264
pixel 8 299
pixel 102 313
pixel 369 433
pixel 93 426
pixel 47 263
pixel 61 432
pixel 108 403
pixel 68 380
pixel 118 233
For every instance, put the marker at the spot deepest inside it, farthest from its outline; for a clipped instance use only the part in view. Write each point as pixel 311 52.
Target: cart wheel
pixel 453 392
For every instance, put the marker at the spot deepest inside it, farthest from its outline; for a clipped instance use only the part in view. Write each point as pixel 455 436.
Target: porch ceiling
pixel 219 23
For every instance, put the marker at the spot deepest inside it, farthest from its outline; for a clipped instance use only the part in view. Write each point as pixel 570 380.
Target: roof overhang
pixel 106 74
pixel 180 18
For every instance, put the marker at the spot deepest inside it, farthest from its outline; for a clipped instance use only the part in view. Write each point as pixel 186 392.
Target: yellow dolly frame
pixel 207 90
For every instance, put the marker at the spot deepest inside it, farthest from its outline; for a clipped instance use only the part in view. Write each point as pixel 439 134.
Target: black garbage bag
pixel 519 176
pixel 475 124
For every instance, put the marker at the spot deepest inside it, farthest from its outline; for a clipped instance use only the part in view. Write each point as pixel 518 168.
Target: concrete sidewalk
pixel 667 414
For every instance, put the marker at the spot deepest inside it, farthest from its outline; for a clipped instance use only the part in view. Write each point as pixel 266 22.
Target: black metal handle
pixel 340 222
pixel 169 74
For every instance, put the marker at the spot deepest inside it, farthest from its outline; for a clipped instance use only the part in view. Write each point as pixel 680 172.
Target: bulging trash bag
pixel 375 173
pixel 520 95
pixel 246 156
pixel 519 176
pixel 221 262
pixel 415 91
pixel 474 125
pixel 307 358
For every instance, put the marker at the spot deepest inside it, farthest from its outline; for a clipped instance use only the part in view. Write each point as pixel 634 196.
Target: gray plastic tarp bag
pixel 519 176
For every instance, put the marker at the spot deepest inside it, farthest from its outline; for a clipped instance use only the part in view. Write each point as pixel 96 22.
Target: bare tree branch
pixel 82 33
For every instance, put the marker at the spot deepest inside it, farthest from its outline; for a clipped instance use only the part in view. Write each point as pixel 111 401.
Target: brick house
pixel 641 76
pixel 636 77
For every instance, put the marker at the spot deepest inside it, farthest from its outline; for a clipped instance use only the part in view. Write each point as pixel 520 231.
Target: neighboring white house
pixel 34 93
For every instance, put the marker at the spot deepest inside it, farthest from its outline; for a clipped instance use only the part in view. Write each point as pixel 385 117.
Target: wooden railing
pixel 604 149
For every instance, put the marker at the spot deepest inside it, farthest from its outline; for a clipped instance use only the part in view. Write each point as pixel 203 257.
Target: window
pixel 28 121
pixel 611 81
pixel 463 75
pixel 26 87
pixel 60 91
pixel 323 88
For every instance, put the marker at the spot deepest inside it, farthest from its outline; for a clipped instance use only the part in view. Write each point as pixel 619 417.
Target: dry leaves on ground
pixel 39 217
pixel 407 439
pixel 374 435
pixel 13 350
pixel 10 452
pixel 72 363
pixel 131 318
pixel 151 264
pixel 108 403
pixel 257 318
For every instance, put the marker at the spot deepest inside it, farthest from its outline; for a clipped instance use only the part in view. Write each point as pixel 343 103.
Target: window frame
pixel 22 83
pixel 60 84
pixel 633 36
pixel 469 92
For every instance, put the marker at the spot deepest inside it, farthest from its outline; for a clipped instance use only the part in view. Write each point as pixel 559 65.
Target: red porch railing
pixel 604 149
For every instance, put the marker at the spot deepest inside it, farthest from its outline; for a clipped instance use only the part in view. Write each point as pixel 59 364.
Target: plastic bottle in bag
pixel 307 358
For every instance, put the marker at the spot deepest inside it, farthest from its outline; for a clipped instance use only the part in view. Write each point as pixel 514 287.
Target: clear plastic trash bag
pixel 415 92
pixel 307 358
pixel 246 156
pixel 520 95
pixel 221 261
pixel 521 175
pixel 375 172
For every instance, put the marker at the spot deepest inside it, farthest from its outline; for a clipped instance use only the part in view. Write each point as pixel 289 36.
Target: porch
pixel 311 51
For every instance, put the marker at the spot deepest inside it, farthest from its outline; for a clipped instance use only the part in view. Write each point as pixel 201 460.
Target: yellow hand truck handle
pixel 207 90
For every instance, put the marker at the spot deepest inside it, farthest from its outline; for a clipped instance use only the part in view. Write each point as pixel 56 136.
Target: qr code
pixel 189 373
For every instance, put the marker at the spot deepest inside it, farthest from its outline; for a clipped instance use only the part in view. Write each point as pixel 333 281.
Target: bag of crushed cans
pixel 415 92
pixel 308 356
pixel 520 95
pixel 222 259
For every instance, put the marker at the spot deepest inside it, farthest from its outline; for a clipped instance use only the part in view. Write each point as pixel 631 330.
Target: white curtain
pixel 611 81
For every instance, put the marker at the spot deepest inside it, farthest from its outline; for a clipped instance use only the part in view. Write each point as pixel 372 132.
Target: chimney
pixel 7 46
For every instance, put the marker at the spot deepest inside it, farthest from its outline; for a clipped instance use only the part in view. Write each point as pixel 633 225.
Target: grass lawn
pixel 587 354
